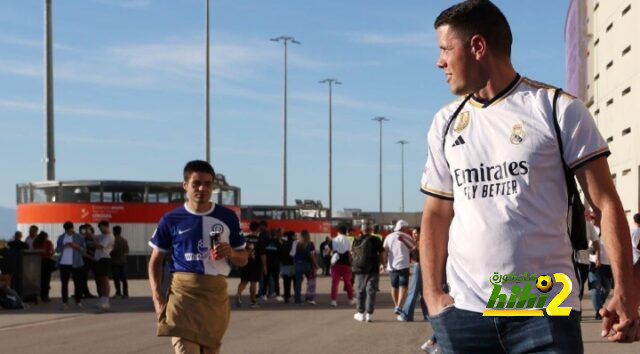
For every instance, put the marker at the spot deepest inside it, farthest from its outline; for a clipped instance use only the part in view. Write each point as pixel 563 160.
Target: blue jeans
pixel 302 269
pixel 415 293
pixel 461 331
pixel 600 281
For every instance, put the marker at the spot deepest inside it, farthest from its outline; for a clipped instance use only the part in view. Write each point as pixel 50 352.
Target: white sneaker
pixel 358 316
pixel 279 298
pixel 352 301
pixel 401 319
pixel 105 307
pixel 430 347
pixel 368 317
pixel 334 303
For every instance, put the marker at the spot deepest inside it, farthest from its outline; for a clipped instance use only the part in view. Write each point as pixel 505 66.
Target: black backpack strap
pixel 556 125
pixel 451 120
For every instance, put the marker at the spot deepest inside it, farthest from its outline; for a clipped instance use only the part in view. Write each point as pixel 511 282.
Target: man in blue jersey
pixel 202 238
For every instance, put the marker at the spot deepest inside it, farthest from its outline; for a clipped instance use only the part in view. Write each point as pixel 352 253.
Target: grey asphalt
pixel 272 328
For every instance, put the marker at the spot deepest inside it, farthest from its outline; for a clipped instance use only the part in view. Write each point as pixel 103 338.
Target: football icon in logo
pixel 544 283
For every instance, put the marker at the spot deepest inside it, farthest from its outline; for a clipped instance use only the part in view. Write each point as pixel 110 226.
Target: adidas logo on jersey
pixel 458 141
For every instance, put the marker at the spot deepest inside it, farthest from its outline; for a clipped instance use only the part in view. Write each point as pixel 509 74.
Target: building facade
pixel 602 38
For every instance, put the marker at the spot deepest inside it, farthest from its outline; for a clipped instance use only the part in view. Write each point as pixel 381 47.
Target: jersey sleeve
pixel 436 178
pixel 161 239
pixel 236 240
pixel 581 140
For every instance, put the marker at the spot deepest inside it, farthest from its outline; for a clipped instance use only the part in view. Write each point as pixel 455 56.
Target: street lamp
pixel 285 39
pixel 49 144
pixel 380 120
pixel 402 144
pixel 331 82
pixel 207 130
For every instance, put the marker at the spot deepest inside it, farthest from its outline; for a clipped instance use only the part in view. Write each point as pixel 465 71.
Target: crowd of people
pixel 354 259
pixel 76 255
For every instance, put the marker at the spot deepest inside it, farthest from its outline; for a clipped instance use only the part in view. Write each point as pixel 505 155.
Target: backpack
pixel 362 254
pixel 576 227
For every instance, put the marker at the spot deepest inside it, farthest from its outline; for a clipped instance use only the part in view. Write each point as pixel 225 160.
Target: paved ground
pixel 273 328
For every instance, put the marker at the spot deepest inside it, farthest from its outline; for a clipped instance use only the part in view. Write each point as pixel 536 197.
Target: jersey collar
pixel 478 102
pixel 186 207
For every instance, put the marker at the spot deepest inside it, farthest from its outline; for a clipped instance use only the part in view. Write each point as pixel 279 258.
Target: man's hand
pixel 159 303
pixel 437 302
pixel 620 320
pixel 220 251
pixel 598 263
pixel 382 269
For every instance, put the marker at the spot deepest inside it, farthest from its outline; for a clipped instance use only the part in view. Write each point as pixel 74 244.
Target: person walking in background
pixel 41 243
pixel 635 239
pixel 600 275
pixel 271 266
pixel 325 250
pixel 287 265
pixel 119 263
pixel 341 266
pixel 398 247
pixel 250 273
pixel 367 252
pixel 70 246
pixel 582 256
pixel 104 245
pixel 304 254
pixel 86 231
pixel 415 290
pixel 17 245
pixel 33 233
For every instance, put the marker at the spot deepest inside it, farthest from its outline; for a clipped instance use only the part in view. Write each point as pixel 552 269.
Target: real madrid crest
pixel 461 122
pixel 517 134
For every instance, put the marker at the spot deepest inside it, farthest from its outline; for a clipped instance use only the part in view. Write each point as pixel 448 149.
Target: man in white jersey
pixel 203 237
pixel 497 197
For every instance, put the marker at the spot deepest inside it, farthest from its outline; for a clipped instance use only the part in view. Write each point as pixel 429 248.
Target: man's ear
pixel 478 45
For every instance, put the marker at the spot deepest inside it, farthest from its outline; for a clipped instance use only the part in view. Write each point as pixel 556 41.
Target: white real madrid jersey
pixel 500 164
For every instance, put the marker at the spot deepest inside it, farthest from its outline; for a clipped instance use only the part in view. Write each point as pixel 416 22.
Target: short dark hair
pixel 254 225
pixel 481 17
pixel 342 229
pixel 636 218
pixel 103 223
pixel 67 226
pixel 197 166
pixel 117 230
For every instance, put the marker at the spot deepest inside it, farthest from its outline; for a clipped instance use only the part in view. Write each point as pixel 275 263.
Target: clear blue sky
pixel 129 79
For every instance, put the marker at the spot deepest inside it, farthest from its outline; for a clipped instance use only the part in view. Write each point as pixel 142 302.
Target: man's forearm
pixel 239 258
pixel 433 252
pixel 155 277
pixel 615 235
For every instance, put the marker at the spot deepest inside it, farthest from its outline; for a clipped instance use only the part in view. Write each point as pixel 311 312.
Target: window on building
pixel 610 102
pixel 609 64
pixel 626 131
pixel 596 42
pixel 610 27
pixel 626 50
pixel 596 6
pixel 626 91
pixel 626 172
pixel 626 9
pixel 609 139
pixel 597 111
pixel 595 78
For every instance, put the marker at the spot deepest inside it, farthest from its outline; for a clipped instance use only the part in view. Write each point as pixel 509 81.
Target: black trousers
pixel 67 271
pixel 84 278
pixel 46 269
pixel 120 276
